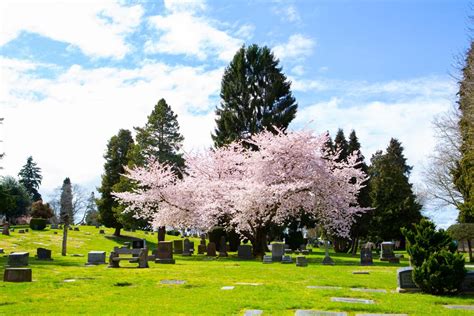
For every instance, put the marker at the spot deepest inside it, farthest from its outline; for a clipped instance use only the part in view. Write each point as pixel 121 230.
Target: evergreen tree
pixel 328 146
pixel 255 95
pixel 391 194
pixel 341 146
pixel 116 157
pixel 160 138
pixel 91 214
pixel 30 177
pixel 464 173
pixel 14 198
pixel 66 210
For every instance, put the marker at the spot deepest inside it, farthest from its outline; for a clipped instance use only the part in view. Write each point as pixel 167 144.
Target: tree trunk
pixel 259 242
pixel 355 246
pixel 117 231
pixel 161 233
pixel 64 245
pixel 469 248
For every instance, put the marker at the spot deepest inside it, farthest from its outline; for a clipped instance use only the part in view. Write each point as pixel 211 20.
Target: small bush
pixel 172 233
pixel 38 223
pixel 40 210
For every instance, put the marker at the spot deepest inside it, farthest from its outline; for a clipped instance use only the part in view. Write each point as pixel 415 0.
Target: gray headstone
pixel 303 312
pixel 176 282
pixel 227 288
pixel 405 280
pixel 223 247
pixel 380 314
pixel 460 307
pixel 164 252
pixel 245 252
pixel 468 282
pixel 286 259
pixel 178 246
pixel 301 261
pixel 278 249
pixel 54 226
pixel 21 231
pixel 138 244
pixel 252 312
pixel 43 254
pixel 366 257
pixel 76 229
pixel 188 247
pixel 101 231
pixel 17 275
pixel 267 259
pixel 324 287
pixel 351 300
pixel 211 249
pixel 328 261
pixel 18 259
pixel 1 250
pixel 386 251
pixel 356 289
pixel 96 257
pixel 288 251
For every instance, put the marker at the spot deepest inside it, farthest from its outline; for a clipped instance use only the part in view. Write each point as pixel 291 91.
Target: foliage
pixel 66 215
pixel 395 205
pixel 40 210
pixel 160 138
pixel 15 200
pixel 286 176
pixel 438 268
pixel 30 177
pixel 463 231
pixel 215 235
pixel 173 232
pixel 255 96
pixel 116 157
pixel 91 214
pixel 38 223
pixel 464 173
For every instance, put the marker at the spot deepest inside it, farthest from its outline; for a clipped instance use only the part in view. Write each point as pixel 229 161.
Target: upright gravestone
pixel 223 248
pixel 138 244
pixel 278 250
pixel 101 231
pixel 366 257
pixel 244 252
pixel 76 229
pixel 267 259
pixel 43 254
pixel 202 245
pixel 468 282
pixel 18 259
pixel 95 257
pixel 178 246
pixel 164 252
pixel 54 226
pixel 211 249
pixel 286 259
pixel 405 280
pixel 17 275
pixel 386 251
pixel 21 231
pixel 187 247
pixel 5 230
pixel 301 261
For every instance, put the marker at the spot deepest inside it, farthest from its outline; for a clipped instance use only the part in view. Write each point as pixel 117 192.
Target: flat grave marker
pixel 324 287
pixel 251 312
pixel 351 300
pixel 309 312
pixel 173 282
pixel 227 288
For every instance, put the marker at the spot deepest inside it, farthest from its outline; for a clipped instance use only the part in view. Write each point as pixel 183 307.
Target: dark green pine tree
pixel 116 157
pixel 160 138
pixel 66 215
pixel 30 177
pixel 463 176
pixel 341 146
pixel 391 194
pixel 361 227
pixel 328 146
pixel 255 95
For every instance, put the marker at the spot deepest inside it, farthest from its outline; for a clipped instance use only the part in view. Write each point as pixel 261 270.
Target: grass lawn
pixel 282 288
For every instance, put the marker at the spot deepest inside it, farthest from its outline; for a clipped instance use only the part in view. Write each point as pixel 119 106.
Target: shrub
pixel 438 268
pixel 38 223
pixel 40 210
pixel 173 232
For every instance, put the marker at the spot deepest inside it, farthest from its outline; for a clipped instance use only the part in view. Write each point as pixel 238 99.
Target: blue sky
pixel 74 73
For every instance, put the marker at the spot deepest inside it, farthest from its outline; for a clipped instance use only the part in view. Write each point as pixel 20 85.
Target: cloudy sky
pixel 72 73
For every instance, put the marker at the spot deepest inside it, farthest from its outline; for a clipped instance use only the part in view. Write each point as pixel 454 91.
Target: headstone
pixel 405 280
pixel 351 300
pixel 306 312
pixel 164 252
pixel 17 275
pixel 96 257
pixel 357 289
pixel 174 282
pixel 211 249
pixel 460 307
pixel 27 230
pixel 178 246
pixel 245 252
pixel 288 251
pixel 278 249
pixel 43 254
pixel 305 252
pixel 267 259
pixel 253 312
pixel 21 231
pixel 323 287
pixel 138 244
pixel 102 231
pixel 223 247
pixel 360 272
pixel 468 282
pixel 146 233
pixel 76 229
pixel 70 228
pixel 301 261
pixel 18 259
pixel 54 226
pixel 97 226
pixel 227 288
pixel 187 247
pixel 286 259
pixel 1 250
pixel 366 257
pixel 386 251
pixel 55 233
pixel 5 230
pixel 201 249
pixel 328 261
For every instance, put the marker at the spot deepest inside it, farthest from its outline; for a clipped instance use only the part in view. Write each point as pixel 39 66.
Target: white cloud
pixel 182 32
pixel 97 28
pixel 66 130
pixel 185 5
pixel 288 13
pixel 297 48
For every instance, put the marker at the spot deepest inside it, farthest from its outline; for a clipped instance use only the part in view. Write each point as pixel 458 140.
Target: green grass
pixel 128 290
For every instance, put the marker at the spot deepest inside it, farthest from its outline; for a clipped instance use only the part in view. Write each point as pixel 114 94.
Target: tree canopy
pixel 30 177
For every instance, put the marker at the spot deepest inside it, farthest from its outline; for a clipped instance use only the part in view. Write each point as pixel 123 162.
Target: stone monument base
pixel 17 275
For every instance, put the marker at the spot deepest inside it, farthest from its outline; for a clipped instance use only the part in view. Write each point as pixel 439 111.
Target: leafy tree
pixel 391 194
pixel 160 138
pixel 14 198
pixel 91 215
pixel 438 268
pixel 463 231
pixel 116 157
pixel 30 177
pixel 40 210
pixel 464 173
pixel 66 214
pixel 255 95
